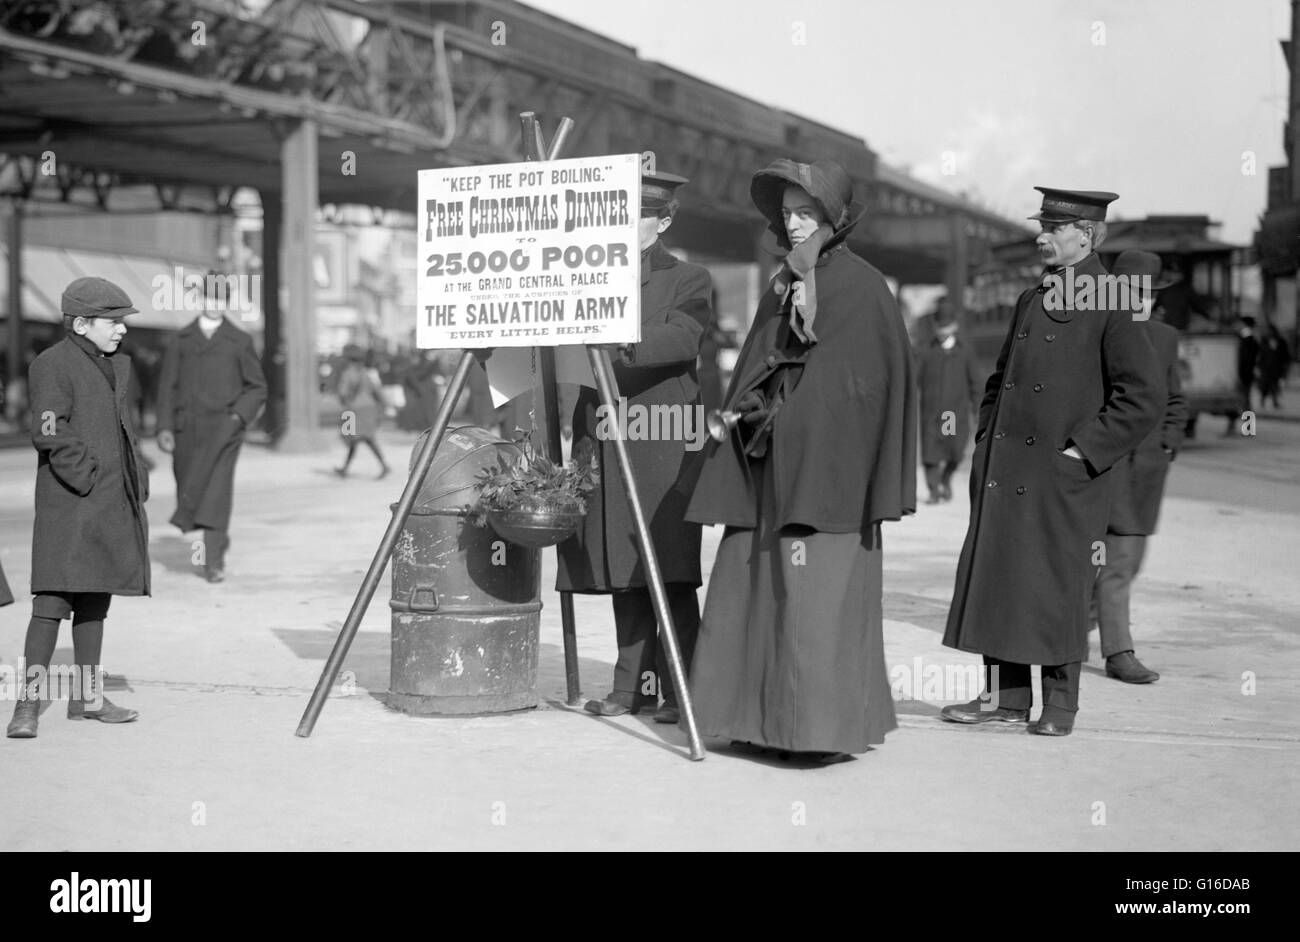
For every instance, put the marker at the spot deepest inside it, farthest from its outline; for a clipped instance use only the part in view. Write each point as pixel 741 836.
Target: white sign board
pixel 530 254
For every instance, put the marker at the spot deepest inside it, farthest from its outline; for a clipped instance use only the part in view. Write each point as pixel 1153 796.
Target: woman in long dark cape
pixel 791 651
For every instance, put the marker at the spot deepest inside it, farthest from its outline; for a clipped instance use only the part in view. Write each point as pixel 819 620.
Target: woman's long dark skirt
pixel 791 645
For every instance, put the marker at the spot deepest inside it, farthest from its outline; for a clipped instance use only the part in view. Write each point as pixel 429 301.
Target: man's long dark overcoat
pixel 1138 480
pixel 659 373
pixel 951 385
pixel 1087 377
pixel 205 384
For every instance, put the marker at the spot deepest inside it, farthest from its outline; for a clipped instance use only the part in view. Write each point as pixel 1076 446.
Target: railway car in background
pixel 1202 300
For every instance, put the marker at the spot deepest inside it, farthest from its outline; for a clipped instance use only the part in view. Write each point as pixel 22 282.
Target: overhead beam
pixel 299 107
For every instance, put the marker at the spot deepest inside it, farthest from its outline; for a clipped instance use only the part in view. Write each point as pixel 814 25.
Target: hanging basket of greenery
pixel 531 500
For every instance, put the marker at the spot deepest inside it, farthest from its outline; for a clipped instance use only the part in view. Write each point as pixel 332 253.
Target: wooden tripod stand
pixel 535 149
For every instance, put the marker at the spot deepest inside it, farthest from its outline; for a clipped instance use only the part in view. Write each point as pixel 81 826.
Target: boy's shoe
pixel 107 713
pixel 26 715
pixel 214 574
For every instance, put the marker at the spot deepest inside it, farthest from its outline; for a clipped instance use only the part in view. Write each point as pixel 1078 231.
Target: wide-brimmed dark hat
pixel 1139 263
pixel 825 181
pixel 944 314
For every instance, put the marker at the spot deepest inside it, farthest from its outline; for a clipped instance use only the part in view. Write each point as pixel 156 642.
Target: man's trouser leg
pixel 685 608
pixel 215 543
pixel 1008 684
pixel 1060 692
pixel 949 469
pixel 1114 589
pixel 934 480
pixel 634 623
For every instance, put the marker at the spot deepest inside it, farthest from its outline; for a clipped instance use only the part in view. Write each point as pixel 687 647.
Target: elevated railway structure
pixel 314 102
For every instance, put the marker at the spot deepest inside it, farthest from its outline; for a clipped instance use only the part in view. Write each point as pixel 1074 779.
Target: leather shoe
pixel 26 715
pixel 606 708
pixel 977 711
pixel 1052 728
pixel 1126 667
pixel 107 713
pixel 215 574
pixel 667 714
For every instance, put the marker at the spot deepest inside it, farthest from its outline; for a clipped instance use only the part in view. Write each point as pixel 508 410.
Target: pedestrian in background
pixel 791 651
pixel 1247 363
pixel 1077 386
pixel 1137 484
pixel 210 390
pixel 90 538
pixel 1274 364
pixel 951 385
pixel 362 402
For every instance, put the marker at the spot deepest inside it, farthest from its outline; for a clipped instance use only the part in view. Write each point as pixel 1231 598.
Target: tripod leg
pixel 385 550
pixel 604 372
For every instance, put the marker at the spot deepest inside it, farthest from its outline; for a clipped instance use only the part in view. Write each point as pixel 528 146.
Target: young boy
pixel 90 539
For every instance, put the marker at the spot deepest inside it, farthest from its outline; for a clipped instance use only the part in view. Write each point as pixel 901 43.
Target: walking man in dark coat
pixel 657 377
pixel 210 391
pixel 951 385
pixel 1137 487
pixel 90 539
pixel 1076 387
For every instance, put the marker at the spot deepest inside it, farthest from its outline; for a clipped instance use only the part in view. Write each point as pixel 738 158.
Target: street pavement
pixel 1205 759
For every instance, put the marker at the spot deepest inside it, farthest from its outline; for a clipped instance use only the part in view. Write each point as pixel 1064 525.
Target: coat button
pixel 1050 337
pixel 1022 335
pixel 1030 440
pixel 1009 385
pixel 1020 489
pixel 1000 435
pixel 771 359
pixel 1038 387
pixel 993 483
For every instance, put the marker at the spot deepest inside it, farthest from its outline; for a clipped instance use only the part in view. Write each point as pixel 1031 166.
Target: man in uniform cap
pixel 604 556
pixel 210 390
pixel 90 538
pixel 1077 386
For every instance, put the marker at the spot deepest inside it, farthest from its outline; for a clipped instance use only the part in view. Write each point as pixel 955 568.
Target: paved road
pixel 1205 759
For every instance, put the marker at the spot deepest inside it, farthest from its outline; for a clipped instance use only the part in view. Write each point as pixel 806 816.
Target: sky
pixel 1169 103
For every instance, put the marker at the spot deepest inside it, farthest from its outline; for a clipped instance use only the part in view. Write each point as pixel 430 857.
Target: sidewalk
pixel 221 675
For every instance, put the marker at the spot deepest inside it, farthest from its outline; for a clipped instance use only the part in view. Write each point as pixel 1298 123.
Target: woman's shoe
pixel 27 714
pixel 341 472
pixel 832 758
pixel 107 713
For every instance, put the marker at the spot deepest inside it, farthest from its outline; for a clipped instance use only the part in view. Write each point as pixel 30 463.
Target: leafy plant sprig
pixel 534 482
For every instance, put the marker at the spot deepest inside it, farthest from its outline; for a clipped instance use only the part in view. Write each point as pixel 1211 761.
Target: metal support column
pixel 16 342
pixel 299 196
pixel 273 353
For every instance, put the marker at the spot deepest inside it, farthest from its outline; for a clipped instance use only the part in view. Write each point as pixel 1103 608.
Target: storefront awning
pixel 151 283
